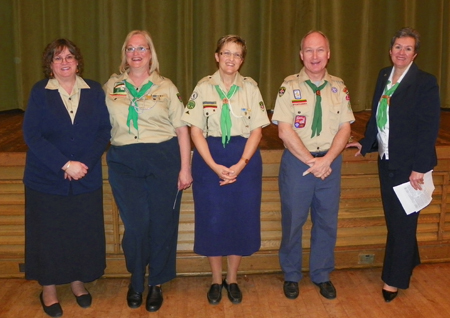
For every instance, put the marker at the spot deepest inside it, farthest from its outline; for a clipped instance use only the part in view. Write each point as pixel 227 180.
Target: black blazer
pixel 414 112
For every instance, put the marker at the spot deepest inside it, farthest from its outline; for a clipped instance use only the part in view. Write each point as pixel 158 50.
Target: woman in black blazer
pixel 403 129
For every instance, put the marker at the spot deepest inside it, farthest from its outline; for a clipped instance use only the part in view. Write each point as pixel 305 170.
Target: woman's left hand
pixel 416 180
pixel 236 170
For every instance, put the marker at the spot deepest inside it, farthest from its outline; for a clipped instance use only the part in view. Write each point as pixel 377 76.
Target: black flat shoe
pixel 54 310
pixel 389 295
pixel 84 301
pixel 134 298
pixel 233 291
pixel 215 294
pixel 290 290
pixel 154 298
pixel 327 289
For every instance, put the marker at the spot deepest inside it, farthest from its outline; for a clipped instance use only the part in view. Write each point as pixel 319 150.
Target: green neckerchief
pixel 132 113
pixel 384 103
pixel 317 120
pixel 225 119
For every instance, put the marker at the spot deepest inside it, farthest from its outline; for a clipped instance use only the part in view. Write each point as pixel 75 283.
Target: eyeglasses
pixel 60 59
pixel 229 55
pixel 139 49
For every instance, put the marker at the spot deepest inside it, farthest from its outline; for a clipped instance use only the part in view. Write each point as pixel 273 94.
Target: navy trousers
pixel 144 181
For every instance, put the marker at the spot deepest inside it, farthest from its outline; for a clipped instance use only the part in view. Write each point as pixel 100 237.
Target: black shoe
pixel 84 301
pixel 327 290
pixel 290 289
pixel 389 295
pixel 234 293
pixel 54 310
pixel 215 294
pixel 154 298
pixel 134 298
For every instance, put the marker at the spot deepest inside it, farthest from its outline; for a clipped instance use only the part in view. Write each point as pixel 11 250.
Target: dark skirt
pixel 64 237
pixel 227 218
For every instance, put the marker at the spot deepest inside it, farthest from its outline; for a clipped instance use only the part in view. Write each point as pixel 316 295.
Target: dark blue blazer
pixel 53 140
pixel 414 112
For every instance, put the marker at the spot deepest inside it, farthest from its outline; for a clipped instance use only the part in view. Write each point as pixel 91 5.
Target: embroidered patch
pixel 190 104
pixel 119 89
pixel 334 90
pixel 209 104
pixel 261 105
pixel 179 97
pixel 297 94
pixel 300 121
pixel 194 95
pixel 299 102
pixel 281 91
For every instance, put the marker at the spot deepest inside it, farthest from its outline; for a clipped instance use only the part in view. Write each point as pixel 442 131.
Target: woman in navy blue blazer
pixel 67 129
pixel 403 129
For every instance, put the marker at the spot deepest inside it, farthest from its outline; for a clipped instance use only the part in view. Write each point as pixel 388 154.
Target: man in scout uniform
pixel 313 114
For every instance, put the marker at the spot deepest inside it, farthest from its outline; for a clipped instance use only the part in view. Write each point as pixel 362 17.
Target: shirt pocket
pixel 303 115
pixel 334 114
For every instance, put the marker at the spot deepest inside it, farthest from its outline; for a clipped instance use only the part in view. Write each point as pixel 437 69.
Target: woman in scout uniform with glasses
pixel 226 114
pixel 149 165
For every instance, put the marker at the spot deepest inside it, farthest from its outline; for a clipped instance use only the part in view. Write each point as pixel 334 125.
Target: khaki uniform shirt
pixel 247 109
pixel 159 110
pixel 296 102
pixel 70 100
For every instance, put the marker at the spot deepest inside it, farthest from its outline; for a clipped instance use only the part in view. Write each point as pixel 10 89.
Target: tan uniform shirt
pixel 295 105
pixel 159 110
pixel 70 100
pixel 247 109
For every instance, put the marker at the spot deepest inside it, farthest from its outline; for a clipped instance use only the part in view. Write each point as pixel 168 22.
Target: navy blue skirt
pixel 227 218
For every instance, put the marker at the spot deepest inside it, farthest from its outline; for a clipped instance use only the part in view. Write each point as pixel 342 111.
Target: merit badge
pixel 281 91
pixel 194 95
pixel 190 104
pixel 334 90
pixel 297 94
pixel 300 121
pixel 179 97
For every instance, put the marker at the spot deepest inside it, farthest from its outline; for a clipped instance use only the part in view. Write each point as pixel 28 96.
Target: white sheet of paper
pixel 415 200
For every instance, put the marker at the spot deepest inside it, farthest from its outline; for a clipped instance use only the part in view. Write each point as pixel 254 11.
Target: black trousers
pixel 402 252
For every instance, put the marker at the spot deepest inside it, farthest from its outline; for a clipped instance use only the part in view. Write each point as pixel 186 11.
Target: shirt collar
pixel 53 84
pixel 217 80
pixel 403 75
pixel 303 77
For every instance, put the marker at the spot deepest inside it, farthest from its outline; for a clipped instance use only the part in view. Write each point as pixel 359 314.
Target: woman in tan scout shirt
pixel 226 114
pixel 149 165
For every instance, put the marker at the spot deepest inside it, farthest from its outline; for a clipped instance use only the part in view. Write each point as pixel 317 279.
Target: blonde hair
pixel 154 64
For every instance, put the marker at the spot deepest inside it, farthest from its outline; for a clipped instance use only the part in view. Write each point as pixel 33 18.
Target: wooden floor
pixel 358 296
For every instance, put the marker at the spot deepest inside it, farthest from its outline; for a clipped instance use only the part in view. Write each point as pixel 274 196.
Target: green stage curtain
pixel 185 34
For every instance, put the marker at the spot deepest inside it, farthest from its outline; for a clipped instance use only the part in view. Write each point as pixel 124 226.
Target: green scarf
pixel 225 119
pixel 132 113
pixel 384 103
pixel 317 120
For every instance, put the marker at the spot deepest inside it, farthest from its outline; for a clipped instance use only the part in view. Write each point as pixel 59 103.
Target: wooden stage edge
pixel 361 226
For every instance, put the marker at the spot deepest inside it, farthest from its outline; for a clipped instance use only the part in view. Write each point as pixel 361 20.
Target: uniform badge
pixel 297 94
pixel 209 105
pixel 334 90
pixel 179 97
pixel 345 90
pixel 300 121
pixel 299 102
pixel 190 104
pixel 119 89
pixel 261 105
pixel 281 91
pixel 194 95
